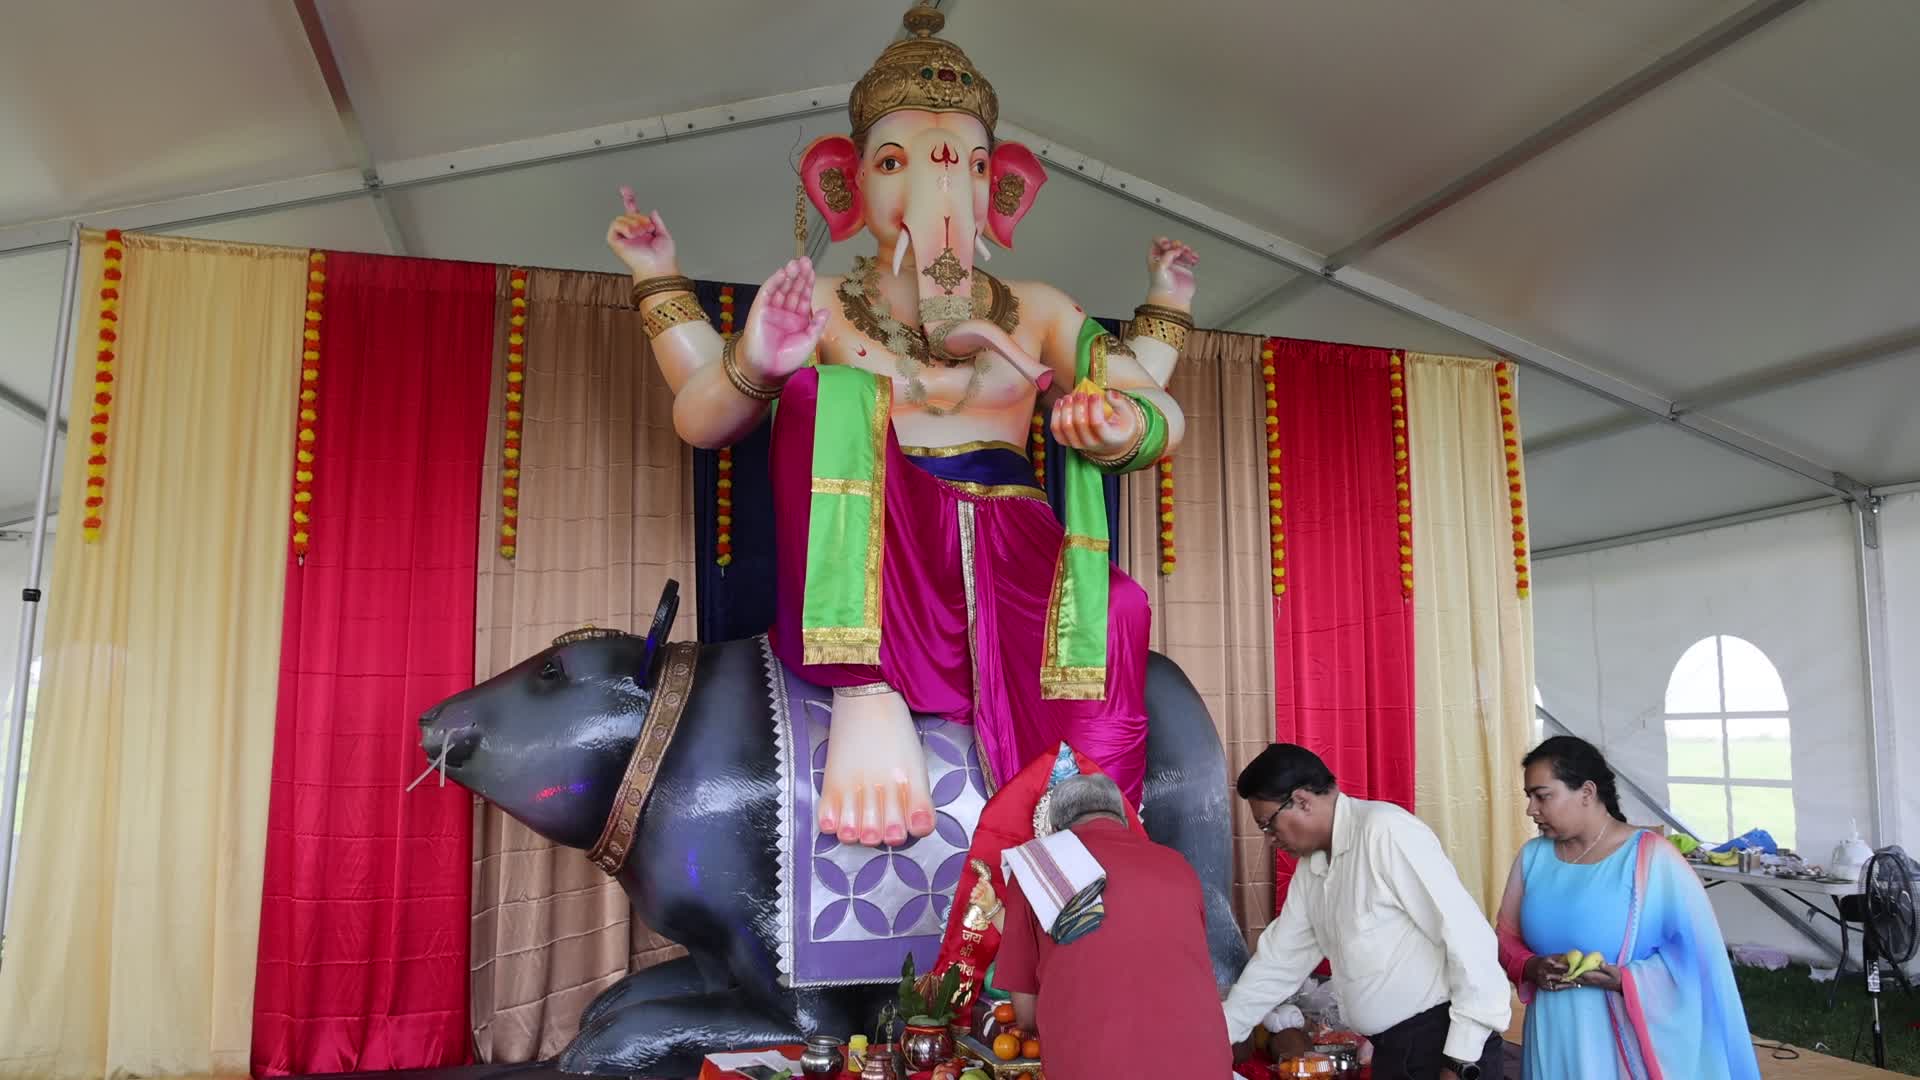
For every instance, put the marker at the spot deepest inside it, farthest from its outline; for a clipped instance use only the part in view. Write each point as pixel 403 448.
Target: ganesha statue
pixel 920 569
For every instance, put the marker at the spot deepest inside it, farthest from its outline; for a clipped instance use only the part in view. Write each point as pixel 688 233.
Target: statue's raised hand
pixel 1170 266
pixel 642 240
pixel 782 326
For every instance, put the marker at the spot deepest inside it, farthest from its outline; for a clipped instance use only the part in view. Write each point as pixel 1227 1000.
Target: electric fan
pixel 1884 908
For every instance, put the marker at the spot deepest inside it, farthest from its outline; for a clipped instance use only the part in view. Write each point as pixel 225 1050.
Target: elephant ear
pixel 1017 176
pixel 830 171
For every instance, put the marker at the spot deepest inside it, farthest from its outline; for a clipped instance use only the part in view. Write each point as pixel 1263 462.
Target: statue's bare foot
pixel 875 789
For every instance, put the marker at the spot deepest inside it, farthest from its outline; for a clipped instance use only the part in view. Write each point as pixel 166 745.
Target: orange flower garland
pixel 1167 558
pixel 514 415
pixel 1038 441
pixel 306 429
pixel 1516 495
pixel 723 520
pixel 1276 521
pixel 1402 471
pixel 111 277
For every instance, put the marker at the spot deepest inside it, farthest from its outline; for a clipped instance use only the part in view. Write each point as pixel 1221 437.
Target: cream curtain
pixel 138 911
pixel 1214 615
pixel 606 517
pixel 1473 632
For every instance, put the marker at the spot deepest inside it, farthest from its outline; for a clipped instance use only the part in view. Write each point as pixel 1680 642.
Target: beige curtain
pixel 1214 615
pixel 137 916
pixel 1473 632
pixel 606 517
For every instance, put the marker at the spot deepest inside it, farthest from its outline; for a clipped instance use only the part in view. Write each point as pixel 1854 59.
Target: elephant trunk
pixel 940 231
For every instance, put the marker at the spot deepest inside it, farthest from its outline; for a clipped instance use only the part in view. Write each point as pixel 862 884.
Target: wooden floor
pixel 1808 1066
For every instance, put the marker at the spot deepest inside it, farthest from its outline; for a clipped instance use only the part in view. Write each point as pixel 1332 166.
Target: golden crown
pixel 922 72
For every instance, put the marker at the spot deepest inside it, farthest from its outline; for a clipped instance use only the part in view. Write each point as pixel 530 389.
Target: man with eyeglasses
pixel 1415 965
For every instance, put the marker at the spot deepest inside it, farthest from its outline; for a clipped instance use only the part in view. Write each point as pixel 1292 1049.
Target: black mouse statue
pixel 670 763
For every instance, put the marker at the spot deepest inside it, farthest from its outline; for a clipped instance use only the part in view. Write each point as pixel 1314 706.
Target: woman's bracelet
pixel 746 386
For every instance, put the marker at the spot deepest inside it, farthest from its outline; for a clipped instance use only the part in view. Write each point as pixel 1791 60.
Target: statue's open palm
pixel 782 326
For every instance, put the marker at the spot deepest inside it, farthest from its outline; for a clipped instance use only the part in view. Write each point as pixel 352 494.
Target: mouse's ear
pixel 663 616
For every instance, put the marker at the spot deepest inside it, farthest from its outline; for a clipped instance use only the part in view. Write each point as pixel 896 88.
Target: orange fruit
pixel 1030 1049
pixel 1003 1012
pixel 1006 1047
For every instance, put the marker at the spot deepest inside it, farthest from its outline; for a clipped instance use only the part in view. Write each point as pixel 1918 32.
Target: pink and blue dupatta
pixel 1678 1015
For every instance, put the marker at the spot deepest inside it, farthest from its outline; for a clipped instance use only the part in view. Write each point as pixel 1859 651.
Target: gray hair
pixel 1082 797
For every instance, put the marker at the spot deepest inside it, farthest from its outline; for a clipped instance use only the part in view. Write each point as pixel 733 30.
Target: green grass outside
pixel 1788 1006
pixel 1704 806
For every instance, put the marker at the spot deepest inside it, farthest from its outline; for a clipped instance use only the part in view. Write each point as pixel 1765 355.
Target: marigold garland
pixel 113 257
pixel 513 425
pixel 1167 557
pixel 1276 506
pixel 1402 471
pixel 1516 495
pixel 516 401
pixel 306 428
pixel 1037 441
pixel 723 520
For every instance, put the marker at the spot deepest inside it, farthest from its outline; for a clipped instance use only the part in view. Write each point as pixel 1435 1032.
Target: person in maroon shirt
pixel 1135 996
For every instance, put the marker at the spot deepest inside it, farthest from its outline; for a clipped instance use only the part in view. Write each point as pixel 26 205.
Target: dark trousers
pixel 1415 1049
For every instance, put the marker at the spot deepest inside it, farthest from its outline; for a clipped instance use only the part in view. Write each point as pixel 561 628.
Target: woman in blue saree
pixel 1662 1005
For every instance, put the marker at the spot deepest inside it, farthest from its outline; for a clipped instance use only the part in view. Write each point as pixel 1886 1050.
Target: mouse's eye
pixel 550 670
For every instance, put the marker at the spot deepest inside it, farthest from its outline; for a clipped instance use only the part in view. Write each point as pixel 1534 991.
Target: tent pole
pixel 30 593
pixel 1883 748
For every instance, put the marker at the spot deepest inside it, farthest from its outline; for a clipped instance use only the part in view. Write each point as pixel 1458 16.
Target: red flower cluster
pixel 113 258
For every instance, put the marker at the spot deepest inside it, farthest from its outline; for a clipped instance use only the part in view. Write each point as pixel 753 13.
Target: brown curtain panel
pixel 1209 615
pixel 606 517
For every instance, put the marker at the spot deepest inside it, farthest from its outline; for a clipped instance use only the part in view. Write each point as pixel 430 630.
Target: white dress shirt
pixel 1387 909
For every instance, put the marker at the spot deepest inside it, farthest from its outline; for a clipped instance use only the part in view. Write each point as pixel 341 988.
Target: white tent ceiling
pixel 1739 238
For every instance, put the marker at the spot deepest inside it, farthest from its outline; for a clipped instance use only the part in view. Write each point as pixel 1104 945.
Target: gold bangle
pixel 667 283
pixel 747 387
pixel 670 313
pixel 1133 448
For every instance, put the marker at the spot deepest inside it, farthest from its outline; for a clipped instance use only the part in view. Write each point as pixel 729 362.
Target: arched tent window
pixel 1729 742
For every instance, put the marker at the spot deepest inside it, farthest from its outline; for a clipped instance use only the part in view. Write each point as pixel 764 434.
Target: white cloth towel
pixel 1051 872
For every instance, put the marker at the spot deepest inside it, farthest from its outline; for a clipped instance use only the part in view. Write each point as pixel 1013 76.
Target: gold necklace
pixel 864 307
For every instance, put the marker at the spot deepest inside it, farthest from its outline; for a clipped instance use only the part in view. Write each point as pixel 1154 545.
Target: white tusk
pixel 899 250
pixel 980 248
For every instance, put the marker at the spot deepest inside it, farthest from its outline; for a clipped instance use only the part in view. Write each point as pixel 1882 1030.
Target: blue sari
pixel 1678 1014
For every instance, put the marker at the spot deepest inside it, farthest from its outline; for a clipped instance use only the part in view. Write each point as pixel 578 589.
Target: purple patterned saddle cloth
pixel 852 914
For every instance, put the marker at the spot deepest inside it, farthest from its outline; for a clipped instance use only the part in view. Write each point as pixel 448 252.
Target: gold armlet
pixel 666 283
pixel 1133 448
pixel 670 313
pixel 1165 324
pixel 747 387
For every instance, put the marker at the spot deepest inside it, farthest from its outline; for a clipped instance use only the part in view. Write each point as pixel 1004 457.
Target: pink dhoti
pixel 966 566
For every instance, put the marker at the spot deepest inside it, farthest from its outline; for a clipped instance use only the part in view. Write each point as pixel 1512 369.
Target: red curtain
pixel 1343 633
pixel 363 935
